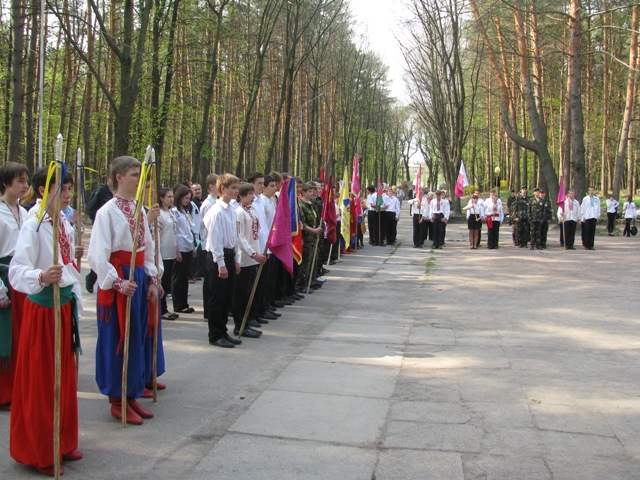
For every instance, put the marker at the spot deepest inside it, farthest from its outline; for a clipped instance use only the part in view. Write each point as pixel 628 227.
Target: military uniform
pixel 521 211
pixel 309 218
pixel 548 215
pixel 536 216
pixel 511 201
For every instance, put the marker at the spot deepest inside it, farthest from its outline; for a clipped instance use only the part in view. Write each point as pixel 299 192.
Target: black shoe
pixel 229 338
pixel 249 333
pixel 533 247
pixel 291 299
pixel 572 248
pixel 325 271
pixel 268 316
pixel 88 284
pixel 261 321
pixel 254 323
pixel 307 291
pixel 273 312
pixel 286 301
pixel 297 296
pixel 186 310
pixel 222 342
pixel 277 304
pixel 316 285
pixel 539 247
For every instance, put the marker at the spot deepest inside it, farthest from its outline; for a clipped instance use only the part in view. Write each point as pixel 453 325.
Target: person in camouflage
pixel 536 216
pixel 521 217
pixel 511 201
pixel 548 216
pixel 311 232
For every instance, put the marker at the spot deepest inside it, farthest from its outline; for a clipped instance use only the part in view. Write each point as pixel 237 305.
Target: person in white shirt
pixel 184 232
pixel 478 193
pixel 629 209
pixel 168 240
pixel 394 217
pixel 571 217
pixel 223 261
pixel 114 239
pixel 14 183
pixel 426 222
pixel 207 203
pixel 590 212
pixel 475 217
pixel 440 212
pixel 32 272
pixel 414 210
pixel 612 212
pixel 495 216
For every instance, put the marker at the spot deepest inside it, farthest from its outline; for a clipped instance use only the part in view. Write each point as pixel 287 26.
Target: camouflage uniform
pixel 310 218
pixel 536 216
pixel 511 201
pixel 548 215
pixel 521 211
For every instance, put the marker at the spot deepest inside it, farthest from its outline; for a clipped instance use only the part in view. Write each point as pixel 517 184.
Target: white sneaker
pixel 321 279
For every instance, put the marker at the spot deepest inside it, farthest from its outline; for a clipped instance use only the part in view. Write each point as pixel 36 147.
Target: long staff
pixel 56 309
pixel 253 293
pixel 329 257
pixel 79 195
pixel 313 263
pixel 153 194
pixel 132 266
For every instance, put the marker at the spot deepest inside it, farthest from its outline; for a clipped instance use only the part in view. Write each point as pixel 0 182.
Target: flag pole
pixel 329 257
pixel 251 296
pixel 56 308
pixel 313 262
pixel 156 305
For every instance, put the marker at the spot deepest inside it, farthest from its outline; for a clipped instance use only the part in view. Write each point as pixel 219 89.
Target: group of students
pixel 383 214
pixel 430 214
pixel 234 224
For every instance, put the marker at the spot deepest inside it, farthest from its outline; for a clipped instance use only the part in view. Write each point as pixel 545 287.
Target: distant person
pixel 571 216
pixel 612 213
pixel 475 216
pixel 629 210
pixel 590 212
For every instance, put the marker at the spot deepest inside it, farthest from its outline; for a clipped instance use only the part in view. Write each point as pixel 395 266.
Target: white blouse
pixel 477 209
pixel 629 209
pixel 490 209
pixel 248 245
pixel 34 254
pixel 571 214
pixel 184 229
pixel 167 235
pixel 111 233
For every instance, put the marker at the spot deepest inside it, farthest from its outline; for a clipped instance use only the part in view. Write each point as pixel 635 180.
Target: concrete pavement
pixel 407 364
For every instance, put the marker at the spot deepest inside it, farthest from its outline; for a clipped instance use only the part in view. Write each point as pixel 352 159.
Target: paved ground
pixel 408 364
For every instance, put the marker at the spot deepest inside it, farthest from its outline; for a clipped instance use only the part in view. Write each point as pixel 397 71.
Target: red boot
pixel 139 409
pixel 161 386
pixel 116 410
pixel 73 456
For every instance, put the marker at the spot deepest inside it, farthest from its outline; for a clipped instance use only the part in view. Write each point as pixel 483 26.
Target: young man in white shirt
pixel 590 211
pixel 440 212
pixel 571 217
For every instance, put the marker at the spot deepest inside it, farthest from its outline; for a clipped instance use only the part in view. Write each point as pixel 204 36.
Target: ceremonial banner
pixel 279 241
pixel 345 225
pixel 296 230
pixel 379 200
pixel 329 211
pixel 418 188
pixel 462 182
pixel 561 195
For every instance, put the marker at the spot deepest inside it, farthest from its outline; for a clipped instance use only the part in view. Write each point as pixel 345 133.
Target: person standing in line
pixel 416 218
pixel 207 203
pixel 478 193
pixel 612 212
pixel 571 216
pixel 511 201
pixel 14 183
pixel 184 232
pixel 629 209
pixel 426 220
pixel 33 273
pixel 114 238
pixel 520 217
pixel 394 216
pixel 475 216
pixel 223 261
pixel 495 215
pixel 546 218
pixel 168 240
pixel 536 215
pixel 590 212
pixel 373 216
pixel 440 216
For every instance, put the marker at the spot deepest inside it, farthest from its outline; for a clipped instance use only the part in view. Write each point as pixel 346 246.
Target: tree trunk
pixel 17 94
pixel 577 120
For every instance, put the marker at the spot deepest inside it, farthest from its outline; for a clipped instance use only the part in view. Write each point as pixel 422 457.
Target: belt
pixel 229 251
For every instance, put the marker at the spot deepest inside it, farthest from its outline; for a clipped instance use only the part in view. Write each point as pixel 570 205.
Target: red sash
pixel 106 297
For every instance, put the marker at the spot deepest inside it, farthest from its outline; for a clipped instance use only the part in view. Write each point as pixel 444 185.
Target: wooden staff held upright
pixel 156 305
pixel 132 266
pixel 56 308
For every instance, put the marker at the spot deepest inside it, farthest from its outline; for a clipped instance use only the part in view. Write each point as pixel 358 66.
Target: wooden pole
pixel 132 266
pixel 253 293
pixel 329 257
pixel 56 308
pixel 313 263
pixel 79 226
pixel 156 304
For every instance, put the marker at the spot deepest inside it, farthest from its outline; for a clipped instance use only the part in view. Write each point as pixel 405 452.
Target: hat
pixel 523 187
pixel 542 190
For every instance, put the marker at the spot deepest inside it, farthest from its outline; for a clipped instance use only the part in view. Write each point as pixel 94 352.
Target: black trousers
pixel 373 218
pixel 392 227
pixel 166 283
pixel 627 227
pixel 219 297
pixel 180 282
pixel 241 292
pixel 611 222
pixel 589 232
pixel 544 231
pixel 438 230
pixel 493 235
pixel 479 235
pixel 569 233
pixel 418 238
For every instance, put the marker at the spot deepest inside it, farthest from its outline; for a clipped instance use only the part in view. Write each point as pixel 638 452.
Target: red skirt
pixel 6 378
pixel 31 432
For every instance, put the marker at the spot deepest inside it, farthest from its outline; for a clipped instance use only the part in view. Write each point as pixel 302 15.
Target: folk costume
pixel 31 430
pixel 10 317
pixel 110 251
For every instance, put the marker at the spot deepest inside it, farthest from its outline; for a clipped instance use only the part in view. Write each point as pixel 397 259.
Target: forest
pixel 530 92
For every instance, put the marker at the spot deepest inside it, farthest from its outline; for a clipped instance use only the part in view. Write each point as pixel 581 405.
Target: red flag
pixel 329 211
pixel 561 195
pixel 322 174
pixel 355 179
pixel 296 226
pixel 279 241
pixel 418 187
pixel 462 182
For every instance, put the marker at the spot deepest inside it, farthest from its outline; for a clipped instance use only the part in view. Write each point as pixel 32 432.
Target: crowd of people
pixel 221 240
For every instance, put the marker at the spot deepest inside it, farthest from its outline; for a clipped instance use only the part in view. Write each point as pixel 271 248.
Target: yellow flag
pixel 345 226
